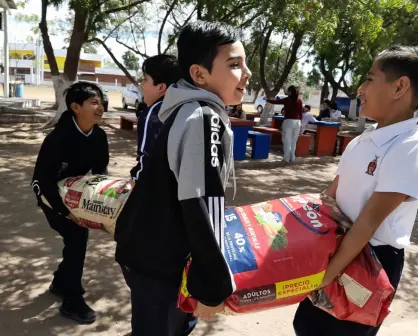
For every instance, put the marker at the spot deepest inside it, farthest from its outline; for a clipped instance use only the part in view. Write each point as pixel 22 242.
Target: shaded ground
pixel 30 250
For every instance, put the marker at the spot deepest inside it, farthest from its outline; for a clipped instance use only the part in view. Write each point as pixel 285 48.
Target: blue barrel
pixel 19 90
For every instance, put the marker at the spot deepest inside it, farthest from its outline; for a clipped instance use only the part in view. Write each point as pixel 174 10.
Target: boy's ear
pixel 403 84
pixel 198 74
pixel 75 107
pixel 162 87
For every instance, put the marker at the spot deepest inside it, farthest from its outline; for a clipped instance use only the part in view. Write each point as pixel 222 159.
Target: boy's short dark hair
pixel 308 107
pixel 333 106
pixel 162 69
pixel 198 43
pixel 80 91
pixel 327 101
pixel 399 61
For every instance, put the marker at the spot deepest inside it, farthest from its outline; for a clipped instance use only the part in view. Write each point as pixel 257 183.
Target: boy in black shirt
pixel 159 73
pixel 75 147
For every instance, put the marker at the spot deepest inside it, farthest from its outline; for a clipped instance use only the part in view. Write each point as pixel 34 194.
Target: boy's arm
pixel 197 160
pixel 397 180
pixel 148 130
pixel 379 206
pixel 331 191
pixel 47 170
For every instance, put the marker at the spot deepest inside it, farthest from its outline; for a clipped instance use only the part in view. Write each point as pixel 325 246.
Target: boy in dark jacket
pixel 176 209
pixel 159 73
pixel 75 147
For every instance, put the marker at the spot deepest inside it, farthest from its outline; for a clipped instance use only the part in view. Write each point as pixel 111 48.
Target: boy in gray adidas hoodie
pixel 176 209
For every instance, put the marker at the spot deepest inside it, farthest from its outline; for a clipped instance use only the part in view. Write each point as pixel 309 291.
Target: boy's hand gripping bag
pixel 96 200
pixel 362 293
pixel 278 252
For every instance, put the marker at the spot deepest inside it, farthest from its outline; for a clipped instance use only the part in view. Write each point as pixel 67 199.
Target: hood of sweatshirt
pixel 183 92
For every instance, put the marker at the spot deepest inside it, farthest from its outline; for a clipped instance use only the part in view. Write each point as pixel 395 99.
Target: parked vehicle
pixel 343 104
pixel 261 102
pixel 131 96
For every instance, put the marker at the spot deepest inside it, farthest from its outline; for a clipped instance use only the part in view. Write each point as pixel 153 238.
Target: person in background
pixel 376 184
pixel 76 146
pixel 291 125
pixel 334 113
pixel 159 73
pixel 307 117
pixel 325 110
pixel 237 112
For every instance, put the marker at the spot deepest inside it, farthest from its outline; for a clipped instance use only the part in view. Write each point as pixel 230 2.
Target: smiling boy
pixel 376 184
pixel 76 146
pixel 176 209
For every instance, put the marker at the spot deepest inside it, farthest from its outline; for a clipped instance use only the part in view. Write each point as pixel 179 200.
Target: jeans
pixel 70 271
pixel 290 134
pixel 154 307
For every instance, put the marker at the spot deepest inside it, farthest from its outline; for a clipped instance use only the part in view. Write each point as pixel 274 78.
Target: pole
pixel 6 54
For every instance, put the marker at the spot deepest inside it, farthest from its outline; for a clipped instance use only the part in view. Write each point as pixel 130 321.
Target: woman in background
pixel 291 124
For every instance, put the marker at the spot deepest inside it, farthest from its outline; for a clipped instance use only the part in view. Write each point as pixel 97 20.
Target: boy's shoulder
pixel 100 132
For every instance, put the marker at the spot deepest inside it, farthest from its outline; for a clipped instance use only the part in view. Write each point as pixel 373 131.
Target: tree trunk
pixel 62 85
pixel 256 93
pixel 297 42
pixel 361 125
pixel 263 55
pixel 49 51
pixel 335 90
pixel 324 92
pixel 267 111
pixel 73 57
pixel 352 114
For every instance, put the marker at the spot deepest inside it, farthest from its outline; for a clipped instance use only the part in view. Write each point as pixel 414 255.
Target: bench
pixel 276 135
pixel 251 116
pixel 310 131
pixel 344 140
pixel 260 145
pixel 303 145
pixel 127 123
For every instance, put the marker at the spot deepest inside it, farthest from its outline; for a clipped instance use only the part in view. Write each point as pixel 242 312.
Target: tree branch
pixel 132 49
pixel 160 33
pixel 118 26
pixel 240 7
pixel 49 51
pixel 297 42
pixel 263 55
pixel 127 7
pixel 120 65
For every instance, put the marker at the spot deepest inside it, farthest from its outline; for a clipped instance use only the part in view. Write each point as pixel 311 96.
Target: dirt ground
pixel 30 250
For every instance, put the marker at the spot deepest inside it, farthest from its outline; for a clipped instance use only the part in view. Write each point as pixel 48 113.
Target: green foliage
pixel 130 60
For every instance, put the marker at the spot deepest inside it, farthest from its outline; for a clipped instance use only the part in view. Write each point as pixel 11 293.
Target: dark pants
pixel 70 271
pixel 154 307
pixel 312 321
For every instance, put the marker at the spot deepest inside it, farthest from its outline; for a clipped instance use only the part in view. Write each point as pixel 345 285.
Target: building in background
pixel 29 63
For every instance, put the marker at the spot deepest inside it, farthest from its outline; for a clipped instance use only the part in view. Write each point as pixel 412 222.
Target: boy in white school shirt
pixel 376 184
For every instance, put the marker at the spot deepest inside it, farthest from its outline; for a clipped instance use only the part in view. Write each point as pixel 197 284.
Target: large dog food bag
pixel 278 252
pixel 96 200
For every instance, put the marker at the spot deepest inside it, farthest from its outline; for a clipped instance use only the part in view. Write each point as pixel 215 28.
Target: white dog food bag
pixel 96 200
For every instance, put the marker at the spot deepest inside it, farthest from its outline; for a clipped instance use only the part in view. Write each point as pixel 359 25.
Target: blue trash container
pixel 19 90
